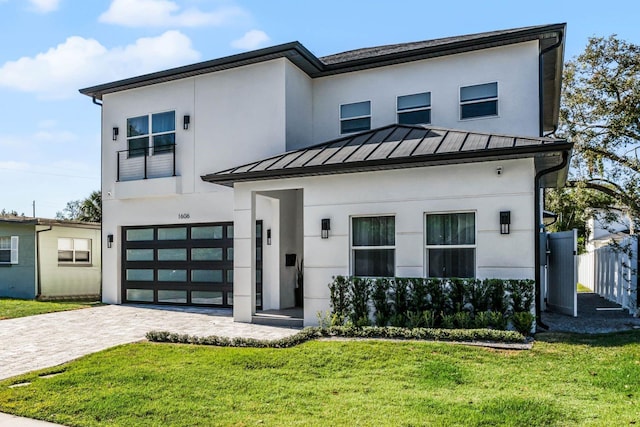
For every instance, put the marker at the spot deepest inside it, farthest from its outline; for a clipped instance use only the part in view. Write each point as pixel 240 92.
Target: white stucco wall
pixel 236 117
pixel 406 194
pixel 514 67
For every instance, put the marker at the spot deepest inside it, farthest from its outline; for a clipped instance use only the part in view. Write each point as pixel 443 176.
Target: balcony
pixel 146 163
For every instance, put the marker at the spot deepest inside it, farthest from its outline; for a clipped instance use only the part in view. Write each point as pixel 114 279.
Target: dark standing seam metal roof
pixel 390 147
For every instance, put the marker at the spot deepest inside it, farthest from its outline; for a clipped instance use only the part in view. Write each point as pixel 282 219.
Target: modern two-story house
pixel 223 181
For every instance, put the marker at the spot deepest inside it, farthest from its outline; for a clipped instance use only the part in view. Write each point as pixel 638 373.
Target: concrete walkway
pixel 47 340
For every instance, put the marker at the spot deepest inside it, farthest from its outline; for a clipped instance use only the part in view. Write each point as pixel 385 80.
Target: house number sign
pixel 184 216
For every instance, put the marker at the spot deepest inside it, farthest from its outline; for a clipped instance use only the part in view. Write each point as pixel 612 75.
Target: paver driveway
pixel 46 340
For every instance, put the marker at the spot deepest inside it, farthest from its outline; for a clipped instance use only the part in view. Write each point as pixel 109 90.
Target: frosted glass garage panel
pixel 174 297
pixel 139 275
pixel 139 234
pixel 179 233
pixel 208 232
pixel 142 295
pixel 139 254
pixel 206 276
pixel 172 275
pixel 206 297
pixel 206 254
pixel 179 254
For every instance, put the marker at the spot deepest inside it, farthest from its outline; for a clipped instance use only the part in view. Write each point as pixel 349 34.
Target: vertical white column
pixel 244 258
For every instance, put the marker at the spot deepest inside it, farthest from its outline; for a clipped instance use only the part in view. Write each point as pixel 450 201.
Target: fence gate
pixel 563 272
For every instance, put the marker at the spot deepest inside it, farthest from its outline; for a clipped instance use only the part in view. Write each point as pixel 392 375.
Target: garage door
pixel 183 264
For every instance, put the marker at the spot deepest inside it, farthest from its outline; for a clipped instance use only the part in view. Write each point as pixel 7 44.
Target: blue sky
pixel 49 133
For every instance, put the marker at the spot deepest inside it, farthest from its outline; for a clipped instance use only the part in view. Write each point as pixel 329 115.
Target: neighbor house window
pixel 373 246
pixel 451 244
pixel 74 251
pixel 414 109
pixel 355 117
pixel 151 134
pixel 9 249
pixel 479 100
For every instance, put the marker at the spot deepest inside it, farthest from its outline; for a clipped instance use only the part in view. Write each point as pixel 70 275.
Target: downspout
pixel 95 101
pixel 540 81
pixel 538 225
pixel 38 275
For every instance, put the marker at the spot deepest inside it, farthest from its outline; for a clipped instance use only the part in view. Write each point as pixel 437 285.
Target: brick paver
pixel 46 340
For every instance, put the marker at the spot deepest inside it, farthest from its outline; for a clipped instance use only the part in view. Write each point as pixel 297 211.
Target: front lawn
pixel 12 308
pixel 564 380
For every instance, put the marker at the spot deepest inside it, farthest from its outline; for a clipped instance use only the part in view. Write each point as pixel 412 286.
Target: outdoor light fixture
pixel 268 236
pixel 186 120
pixel 116 131
pixel 505 222
pixel 326 226
pixel 109 240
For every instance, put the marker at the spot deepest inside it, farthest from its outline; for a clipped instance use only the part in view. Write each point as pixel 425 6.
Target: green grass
pixel 583 288
pixel 12 308
pixel 564 380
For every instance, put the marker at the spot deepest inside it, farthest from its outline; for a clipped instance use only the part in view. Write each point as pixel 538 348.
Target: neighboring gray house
pixel 45 258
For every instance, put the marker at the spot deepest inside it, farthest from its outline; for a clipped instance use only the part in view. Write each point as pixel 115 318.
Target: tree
pixel 12 212
pixel 87 210
pixel 600 113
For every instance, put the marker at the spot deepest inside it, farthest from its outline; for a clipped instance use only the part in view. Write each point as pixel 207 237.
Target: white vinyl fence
pixel 612 273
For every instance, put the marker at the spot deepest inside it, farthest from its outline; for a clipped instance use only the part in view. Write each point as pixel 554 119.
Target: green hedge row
pixel 431 302
pixel 309 333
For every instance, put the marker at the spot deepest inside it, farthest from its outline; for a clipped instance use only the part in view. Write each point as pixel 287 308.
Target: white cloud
pixel 79 62
pixel 165 13
pixel 55 136
pixel 251 40
pixel 44 6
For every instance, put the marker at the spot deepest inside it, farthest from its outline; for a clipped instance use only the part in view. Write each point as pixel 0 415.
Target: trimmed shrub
pixel 360 291
pixel 521 293
pixel 417 302
pixel 496 295
pixel 460 335
pixel 339 298
pixel 380 299
pixel 523 322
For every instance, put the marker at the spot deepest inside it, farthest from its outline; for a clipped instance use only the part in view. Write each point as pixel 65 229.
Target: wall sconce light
pixel 109 240
pixel 505 222
pixel 186 120
pixel 326 226
pixel 268 236
pixel 116 131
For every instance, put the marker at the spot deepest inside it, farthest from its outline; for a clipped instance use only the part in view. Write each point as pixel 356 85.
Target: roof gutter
pixel 543 52
pixel 538 226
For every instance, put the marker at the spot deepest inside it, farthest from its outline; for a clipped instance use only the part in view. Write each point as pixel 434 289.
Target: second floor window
pixel 414 109
pixel 151 134
pixel 479 100
pixel 355 117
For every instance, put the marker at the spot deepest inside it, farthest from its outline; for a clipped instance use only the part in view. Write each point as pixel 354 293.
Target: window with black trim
pixel 355 117
pixel 161 139
pixel 9 249
pixel 373 246
pixel 479 100
pixel 451 244
pixel 414 109
pixel 74 251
